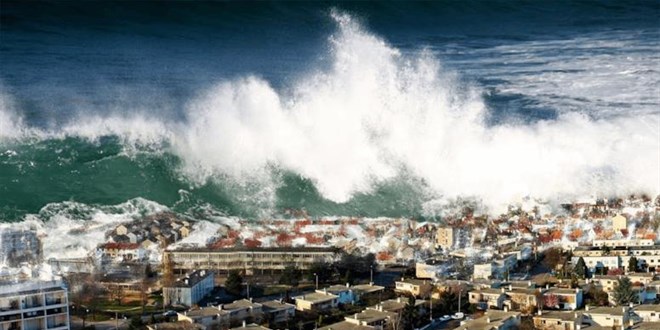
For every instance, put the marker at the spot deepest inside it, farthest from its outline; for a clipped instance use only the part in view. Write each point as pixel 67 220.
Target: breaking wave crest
pixel 372 116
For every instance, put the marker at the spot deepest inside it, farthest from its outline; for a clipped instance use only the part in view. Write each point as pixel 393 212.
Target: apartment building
pixel 446 237
pixel 190 289
pixel 33 305
pixel 249 260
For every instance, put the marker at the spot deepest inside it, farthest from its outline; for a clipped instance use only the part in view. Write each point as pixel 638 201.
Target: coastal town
pixel 584 265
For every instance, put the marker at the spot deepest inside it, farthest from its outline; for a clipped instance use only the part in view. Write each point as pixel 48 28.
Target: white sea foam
pixel 375 113
pixel 72 230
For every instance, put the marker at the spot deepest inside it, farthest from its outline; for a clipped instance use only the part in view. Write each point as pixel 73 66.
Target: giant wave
pixel 375 121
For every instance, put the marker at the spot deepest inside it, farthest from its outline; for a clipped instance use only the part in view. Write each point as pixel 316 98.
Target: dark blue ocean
pixel 371 109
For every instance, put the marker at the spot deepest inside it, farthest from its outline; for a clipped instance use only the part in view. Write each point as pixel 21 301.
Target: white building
pixel 33 305
pixel 189 290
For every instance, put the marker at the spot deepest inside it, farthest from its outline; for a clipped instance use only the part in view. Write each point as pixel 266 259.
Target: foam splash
pixel 376 113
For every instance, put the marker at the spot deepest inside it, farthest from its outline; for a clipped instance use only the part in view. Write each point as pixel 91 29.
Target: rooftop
pixel 261 249
pixel 492 319
pixel 192 279
pixel 367 288
pixel 558 315
pixel 317 297
pixel 240 304
pixel 371 315
pixel 276 305
pixel 251 326
pixel 345 325
pixel 648 308
pixel 617 311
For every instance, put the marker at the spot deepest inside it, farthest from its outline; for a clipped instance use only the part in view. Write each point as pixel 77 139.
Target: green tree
pixel 409 315
pixel 290 276
pixel 623 292
pixel 632 264
pixel 324 270
pixel 234 283
pixel 597 296
pixel 581 268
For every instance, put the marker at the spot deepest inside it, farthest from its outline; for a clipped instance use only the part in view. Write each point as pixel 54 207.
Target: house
pixel 568 299
pixel 397 305
pixel 345 325
pixel 643 278
pixel 619 222
pixel 522 299
pixel 278 311
pixel 316 301
pixel 363 292
pixel 606 282
pixel 189 290
pixel 429 269
pixel 184 231
pixel 241 310
pixel 415 287
pixel 648 313
pixel 204 317
pixel 378 319
pixel 487 298
pixel 343 292
pixel 122 251
pixel 182 325
pixel 121 230
pixel 250 326
pixel 556 320
pixel 492 320
pixel 606 316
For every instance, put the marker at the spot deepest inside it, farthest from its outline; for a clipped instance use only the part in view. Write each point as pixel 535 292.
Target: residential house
pixel 487 298
pixel 556 320
pixel 316 301
pixel 378 319
pixel 343 292
pixel 397 305
pixel 643 278
pixel 568 299
pixel 648 313
pixel 492 320
pixel 522 299
pixel 242 310
pixel 363 292
pixel 277 311
pixel 205 317
pixel 619 222
pixel 124 252
pixel 606 316
pixel 606 282
pixel 345 325
pixel 446 237
pixel 250 326
pixel 415 287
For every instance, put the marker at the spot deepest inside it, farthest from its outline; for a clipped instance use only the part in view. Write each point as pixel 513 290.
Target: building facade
pixel 33 305
pixel 249 260
pixel 189 290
